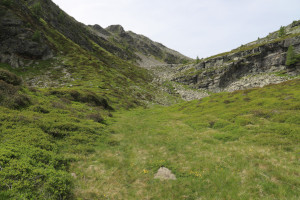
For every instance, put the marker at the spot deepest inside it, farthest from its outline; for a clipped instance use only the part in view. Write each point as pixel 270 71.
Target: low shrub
pixel 221 124
pixel 7 3
pixel 83 97
pixel 29 173
pixel 243 120
pixel 226 137
pixel 30 136
pixel 282 32
pixel 58 184
pixel 96 117
pixel 61 16
pixel 7 89
pixel 261 113
pixel 9 77
pixel 58 105
pixel 36 36
pixel 291 57
pixel 37 9
pixel 40 109
pixel 19 101
pixel 9 96
pixel 96 100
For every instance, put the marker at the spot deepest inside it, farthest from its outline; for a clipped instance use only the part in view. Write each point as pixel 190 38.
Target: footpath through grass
pixel 241 145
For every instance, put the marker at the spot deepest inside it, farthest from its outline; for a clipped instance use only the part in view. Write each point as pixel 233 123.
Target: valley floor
pixel 241 145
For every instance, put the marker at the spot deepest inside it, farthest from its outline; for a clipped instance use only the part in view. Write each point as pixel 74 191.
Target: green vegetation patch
pixel 291 57
pixel 240 145
pixel 41 134
pixel 9 77
pixel 82 96
pixel 11 93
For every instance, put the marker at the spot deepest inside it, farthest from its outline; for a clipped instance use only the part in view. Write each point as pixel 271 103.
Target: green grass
pixel 59 140
pixel 241 145
pixel 38 144
pixel 52 120
pixel 41 133
pixel 245 47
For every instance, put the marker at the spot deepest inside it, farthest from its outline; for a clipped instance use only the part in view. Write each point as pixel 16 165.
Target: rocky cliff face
pixel 261 58
pixel 18 40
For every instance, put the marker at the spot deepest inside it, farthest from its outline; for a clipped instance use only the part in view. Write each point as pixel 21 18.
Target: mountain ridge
pixel 38 34
pixel 141 44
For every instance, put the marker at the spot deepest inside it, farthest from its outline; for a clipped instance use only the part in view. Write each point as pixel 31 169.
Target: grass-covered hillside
pixel 49 49
pixel 79 120
pixel 56 94
pixel 41 132
pixel 240 145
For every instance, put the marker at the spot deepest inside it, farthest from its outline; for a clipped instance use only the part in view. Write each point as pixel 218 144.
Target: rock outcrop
pixel 222 71
pixel 19 41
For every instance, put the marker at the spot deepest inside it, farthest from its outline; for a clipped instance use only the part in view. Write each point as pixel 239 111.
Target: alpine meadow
pixel 102 113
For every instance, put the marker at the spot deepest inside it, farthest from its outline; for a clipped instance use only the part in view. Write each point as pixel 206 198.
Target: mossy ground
pixel 241 145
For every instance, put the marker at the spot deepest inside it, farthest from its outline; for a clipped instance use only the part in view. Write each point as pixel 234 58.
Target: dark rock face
pixel 118 29
pixel 17 40
pixel 101 30
pixel 76 31
pixel 217 73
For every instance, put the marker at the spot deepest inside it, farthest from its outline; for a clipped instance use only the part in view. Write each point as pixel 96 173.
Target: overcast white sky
pixel 192 27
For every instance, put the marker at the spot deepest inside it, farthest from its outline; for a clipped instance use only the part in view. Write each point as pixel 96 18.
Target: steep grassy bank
pixel 241 145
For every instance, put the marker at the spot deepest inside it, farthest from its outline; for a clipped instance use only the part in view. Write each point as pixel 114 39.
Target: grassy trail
pixel 215 150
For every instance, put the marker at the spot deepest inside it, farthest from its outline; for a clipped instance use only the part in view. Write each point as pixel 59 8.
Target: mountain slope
pixel 80 33
pixel 59 83
pixel 38 38
pixel 68 129
pixel 45 57
pixel 144 47
pixel 256 64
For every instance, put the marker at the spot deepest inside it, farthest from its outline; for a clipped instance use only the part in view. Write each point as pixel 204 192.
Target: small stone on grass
pixel 164 174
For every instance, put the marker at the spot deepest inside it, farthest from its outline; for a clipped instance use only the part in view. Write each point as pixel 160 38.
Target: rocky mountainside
pixel 61 81
pixel 144 48
pixel 256 64
pixel 48 48
pixel 38 34
pixel 19 23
